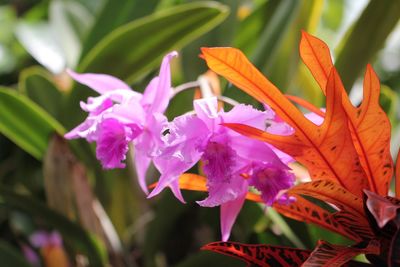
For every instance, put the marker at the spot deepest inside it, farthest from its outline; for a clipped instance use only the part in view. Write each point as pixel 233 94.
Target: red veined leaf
pixel 333 193
pixel 397 182
pixel 328 255
pixel 351 216
pixel 381 208
pixel 306 104
pixel 327 150
pixel 306 211
pixel 260 255
pixel 368 123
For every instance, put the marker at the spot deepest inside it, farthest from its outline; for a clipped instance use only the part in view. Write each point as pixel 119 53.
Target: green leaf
pixel 25 123
pixel 113 16
pixel 273 33
pixel 192 65
pixel 9 256
pixel 37 84
pixel 73 234
pixel 366 38
pixel 137 47
pixel 251 27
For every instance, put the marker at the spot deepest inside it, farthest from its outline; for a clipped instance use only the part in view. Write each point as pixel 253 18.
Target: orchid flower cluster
pixel 120 118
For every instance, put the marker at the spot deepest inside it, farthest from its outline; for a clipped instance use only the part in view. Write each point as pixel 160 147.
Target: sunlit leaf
pixel 328 255
pixel 39 40
pixel 73 21
pixel 368 123
pixel 327 150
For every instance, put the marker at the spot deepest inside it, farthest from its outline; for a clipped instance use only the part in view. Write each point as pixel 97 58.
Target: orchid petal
pixel 142 163
pixel 253 150
pixel 181 151
pixel 158 92
pixel 101 83
pixel 207 110
pixel 229 213
pixel 220 192
pixel 315 118
pixel 174 186
pixel 246 114
pixel 112 144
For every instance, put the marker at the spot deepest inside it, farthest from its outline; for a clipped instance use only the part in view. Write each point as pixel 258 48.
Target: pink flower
pixel 120 116
pixel 228 157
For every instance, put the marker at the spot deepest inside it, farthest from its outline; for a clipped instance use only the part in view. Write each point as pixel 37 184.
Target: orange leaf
pixel 331 192
pixel 260 255
pixel 328 255
pixel 306 211
pixel 398 175
pixel 316 55
pixel 327 150
pixel 368 123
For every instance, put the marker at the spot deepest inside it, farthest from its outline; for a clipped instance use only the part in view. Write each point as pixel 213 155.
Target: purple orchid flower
pixel 120 116
pixel 232 162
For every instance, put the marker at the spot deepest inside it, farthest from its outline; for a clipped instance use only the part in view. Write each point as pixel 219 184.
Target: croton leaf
pixel 327 150
pixel 368 123
pixel 381 208
pixel 304 210
pixel 394 255
pixel 260 255
pixel 333 193
pixel 328 255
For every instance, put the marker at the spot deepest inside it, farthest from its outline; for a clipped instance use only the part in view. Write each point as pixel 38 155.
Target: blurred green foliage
pixel 127 38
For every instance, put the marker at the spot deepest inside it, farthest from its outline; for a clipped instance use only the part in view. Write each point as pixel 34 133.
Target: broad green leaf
pixel 251 27
pixel 222 35
pixel 272 35
pixel 9 256
pixel 114 15
pixel 73 234
pixel 284 65
pixel 366 38
pixel 38 85
pixel 25 123
pixel 137 47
